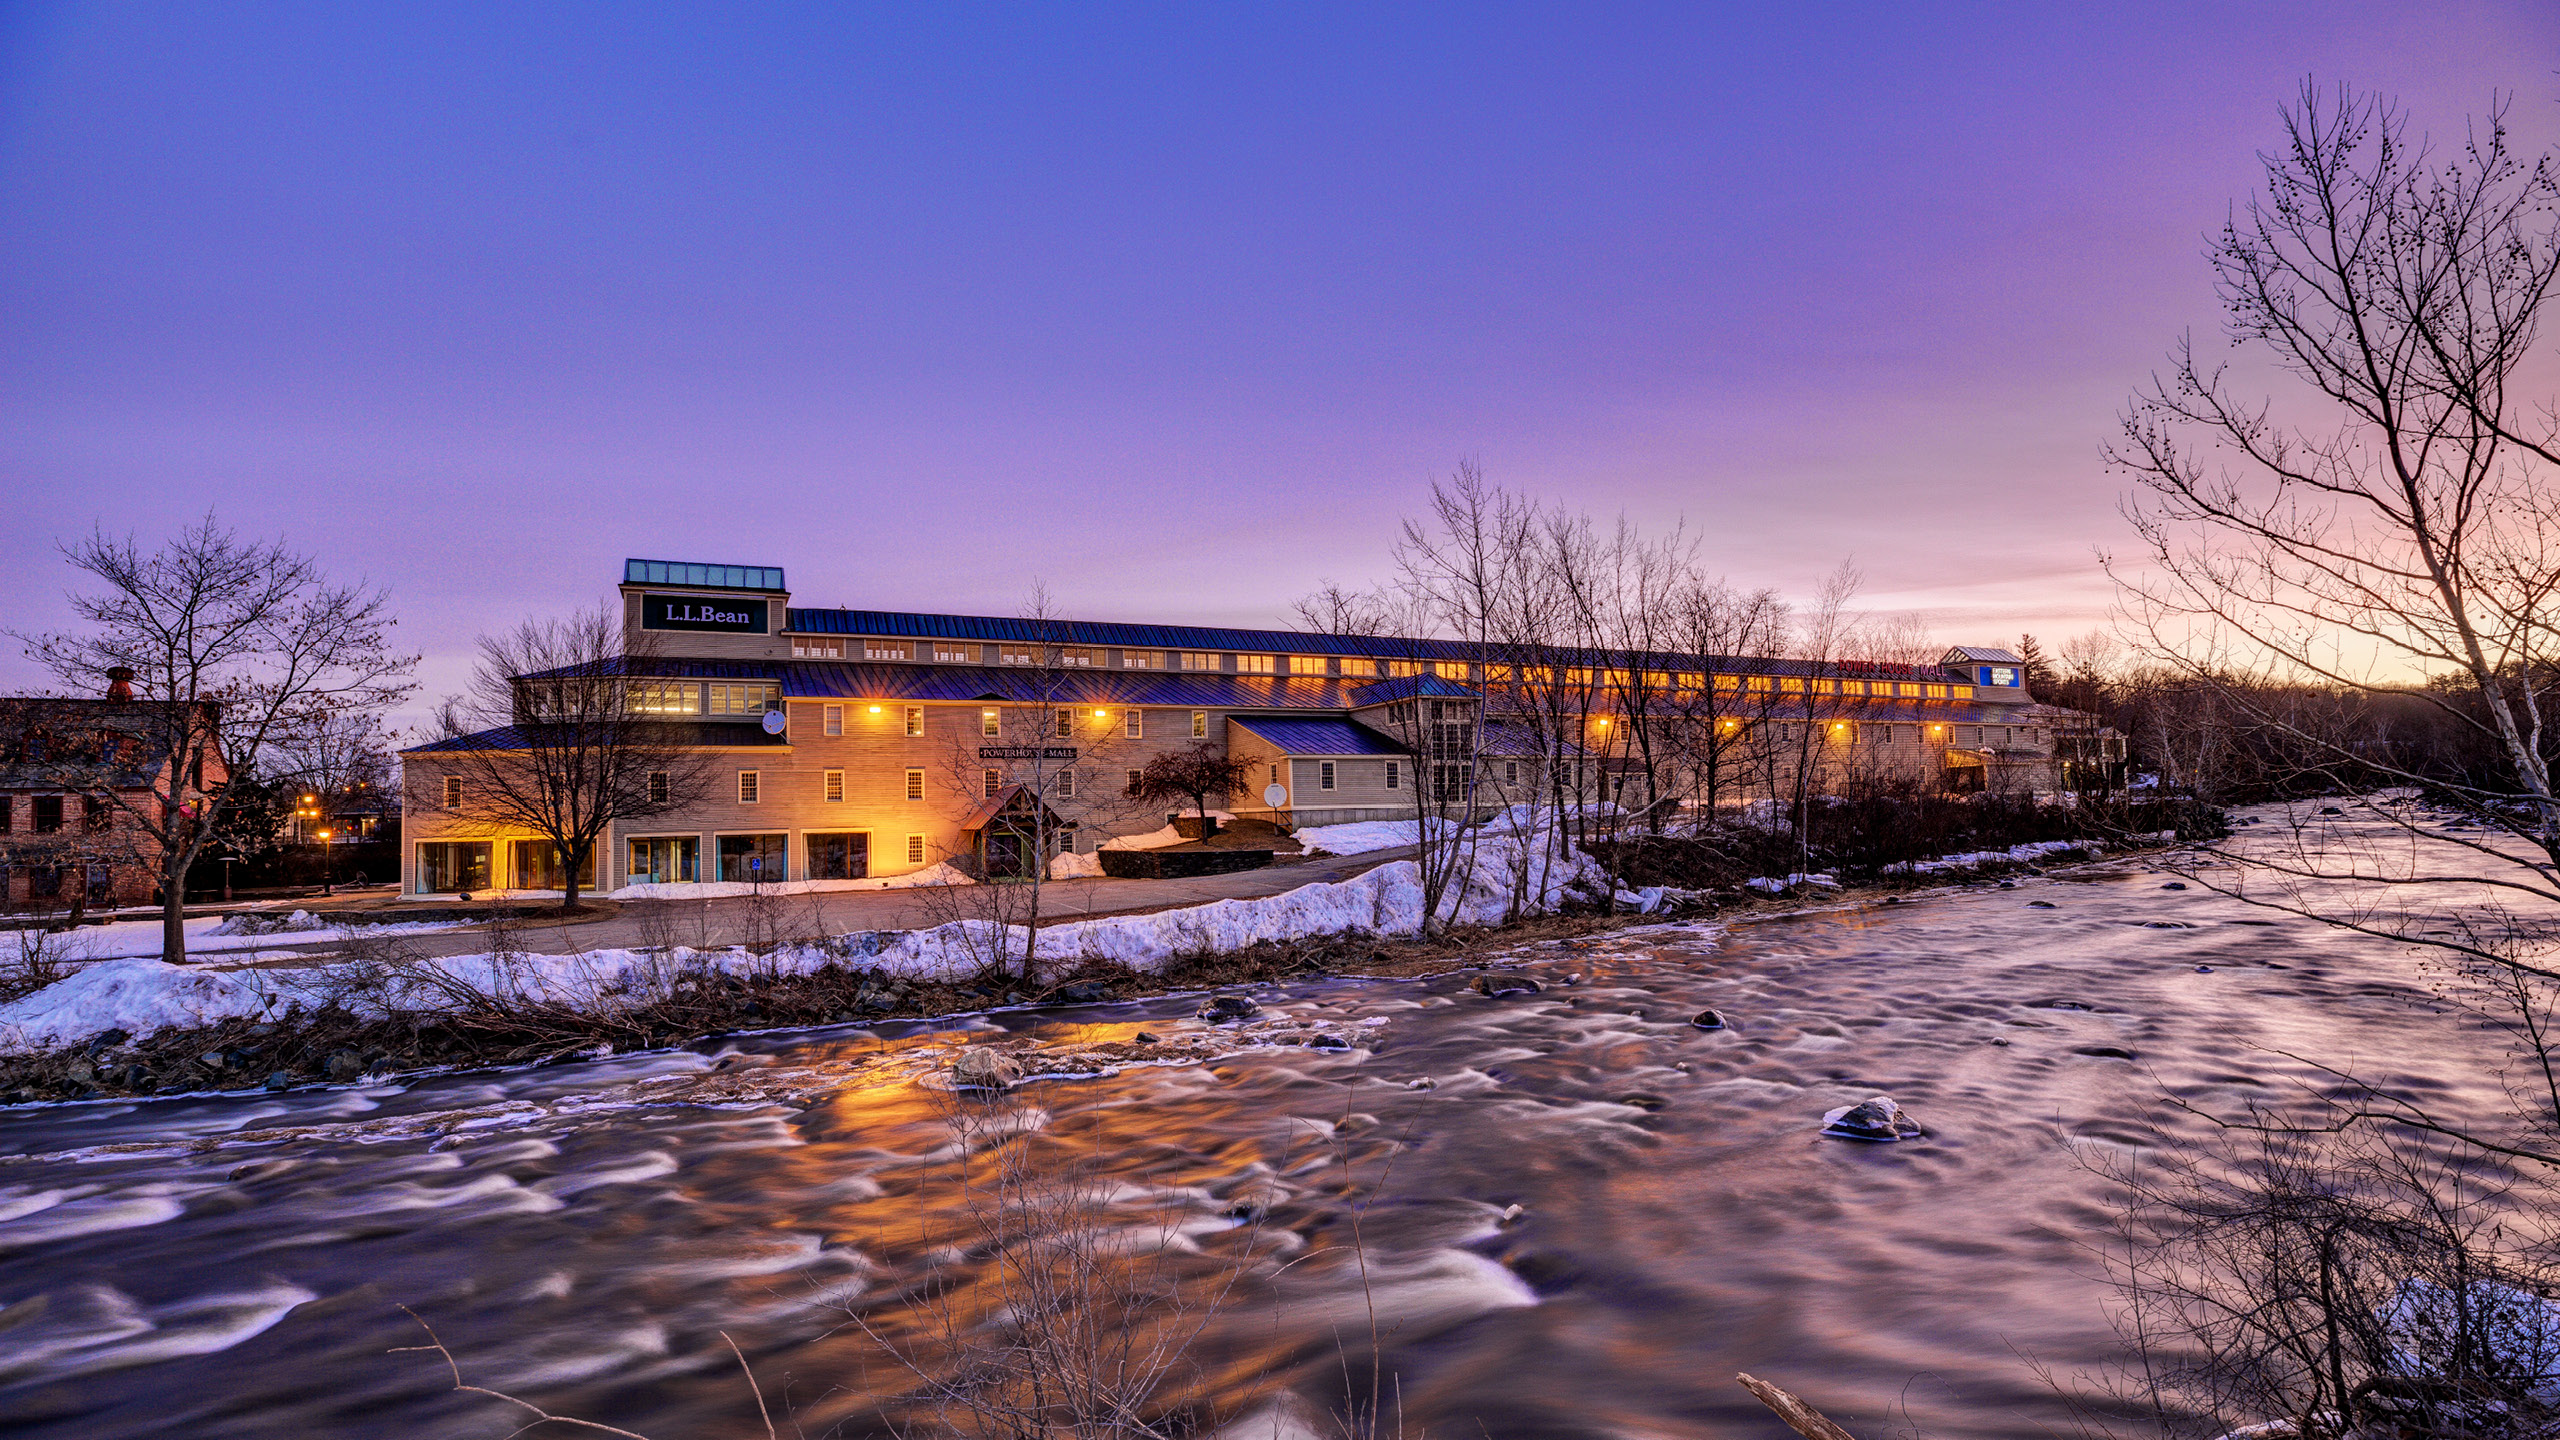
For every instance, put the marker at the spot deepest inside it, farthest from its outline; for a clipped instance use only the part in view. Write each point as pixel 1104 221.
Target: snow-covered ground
pixel 207 935
pixel 939 874
pixel 140 995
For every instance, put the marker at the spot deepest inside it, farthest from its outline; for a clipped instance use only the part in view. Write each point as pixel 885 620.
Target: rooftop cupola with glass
pixel 682 607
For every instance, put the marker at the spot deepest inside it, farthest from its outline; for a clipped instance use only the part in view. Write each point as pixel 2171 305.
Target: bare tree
pixel 1194 773
pixel 236 647
pixel 566 739
pixel 2382 530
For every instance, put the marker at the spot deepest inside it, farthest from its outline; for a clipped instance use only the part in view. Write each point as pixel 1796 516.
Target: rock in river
pixel 1708 1019
pixel 1875 1119
pixel 978 1068
pixel 1221 1008
pixel 1497 986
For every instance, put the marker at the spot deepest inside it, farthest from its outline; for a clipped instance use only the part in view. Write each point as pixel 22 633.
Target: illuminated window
pixel 1763 683
pixel 1017 655
pixel 1199 724
pixel 666 697
pixel 952 652
pixel 915 849
pixel 1257 664
pixel 1080 656
pixel 811 648
pixel 835 787
pixel 915 719
pixel 884 649
pixel 1934 692
pixel 747 785
pixel 915 784
pixel 1142 659
pixel 743 698
pixel 990 723
pixel 1200 660
pixel 1792 684
pixel 834 720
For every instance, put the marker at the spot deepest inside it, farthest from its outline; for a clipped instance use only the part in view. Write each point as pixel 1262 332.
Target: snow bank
pixel 142 996
pixel 936 874
pixel 1359 837
pixel 251 922
pixel 1152 840
pixel 1767 885
pixel 2036 850
pixel 1068 865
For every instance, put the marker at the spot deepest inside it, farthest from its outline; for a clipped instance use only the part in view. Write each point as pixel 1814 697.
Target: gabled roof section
pixel 1980 655
pixel 1309 735
pixel 1004 800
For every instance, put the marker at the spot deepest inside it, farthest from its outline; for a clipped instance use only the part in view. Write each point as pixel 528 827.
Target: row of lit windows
pixel 1223 662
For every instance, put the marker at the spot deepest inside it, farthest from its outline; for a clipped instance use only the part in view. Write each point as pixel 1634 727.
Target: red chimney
pixel 120 685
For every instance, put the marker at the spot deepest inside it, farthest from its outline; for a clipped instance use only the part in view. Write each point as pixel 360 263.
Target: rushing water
pixel 584 1234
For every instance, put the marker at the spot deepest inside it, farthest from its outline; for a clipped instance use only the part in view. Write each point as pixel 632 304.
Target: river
pixel 584 1234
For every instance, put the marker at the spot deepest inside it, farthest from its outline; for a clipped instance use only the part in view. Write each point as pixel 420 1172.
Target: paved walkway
pixel 724 922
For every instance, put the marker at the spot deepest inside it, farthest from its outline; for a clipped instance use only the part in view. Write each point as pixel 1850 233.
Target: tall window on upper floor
pixel 1136 724
pixel 1066 723
pixel 1141 659
pixel 990 723
pixel 1257 664
pixel 1080 656
pixel 915 720
pixel 1200 660
pixel 833 720
pixel 1199 724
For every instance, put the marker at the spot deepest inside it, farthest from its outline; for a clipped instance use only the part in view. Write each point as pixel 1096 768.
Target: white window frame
pixel 750 787
pixel 1200 660
pixel 831 719
pixel 915 849
pixel 1136 724
pixel 831 787
pixel 915 783
pixel 1199 724
pixel 1066 724
pixel 812 648
pixel 891 650
pixel 990 784
pixel 953 652
pixel 991 724
pixel 915 721
pixel 1324 774
pixel 1257 664
pixel 1066 787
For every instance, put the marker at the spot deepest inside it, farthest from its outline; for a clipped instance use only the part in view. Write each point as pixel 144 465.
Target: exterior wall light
pixel 875 709
pixel 1098 714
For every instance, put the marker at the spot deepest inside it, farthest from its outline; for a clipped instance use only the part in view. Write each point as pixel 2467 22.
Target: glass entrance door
pixel 665 860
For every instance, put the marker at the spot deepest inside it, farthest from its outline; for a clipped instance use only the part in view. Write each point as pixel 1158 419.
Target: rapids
pixel 583 1234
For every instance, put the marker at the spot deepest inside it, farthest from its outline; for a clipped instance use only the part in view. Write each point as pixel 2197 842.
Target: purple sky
pixel 1176 308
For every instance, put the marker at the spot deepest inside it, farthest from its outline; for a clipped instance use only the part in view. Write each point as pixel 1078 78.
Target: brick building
pixel 72 774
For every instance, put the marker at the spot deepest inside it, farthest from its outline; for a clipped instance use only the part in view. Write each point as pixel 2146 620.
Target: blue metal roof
pixel 1307 735
pixel 695 734
pixel 1406 687
pixel 895 623
pixel 703 577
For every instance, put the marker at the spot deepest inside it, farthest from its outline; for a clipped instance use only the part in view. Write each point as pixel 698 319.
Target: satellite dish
pixel 1275 796
pixel 773 722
